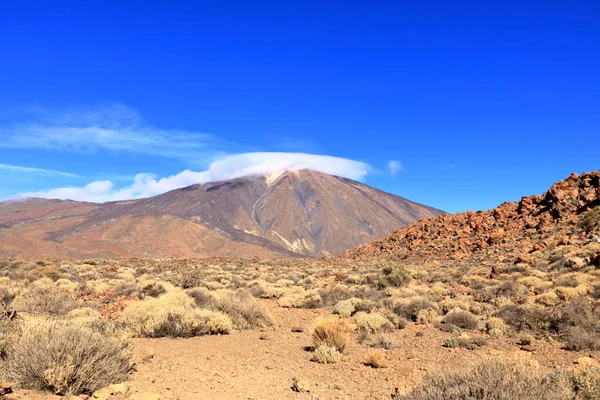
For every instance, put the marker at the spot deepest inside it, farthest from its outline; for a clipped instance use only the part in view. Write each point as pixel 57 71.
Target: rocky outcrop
pixel 513 229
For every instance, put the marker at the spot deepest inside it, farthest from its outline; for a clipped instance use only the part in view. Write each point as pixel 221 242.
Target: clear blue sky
pixel 480 102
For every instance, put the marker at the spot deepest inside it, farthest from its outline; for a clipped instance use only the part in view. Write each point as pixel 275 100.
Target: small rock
pixel 5 388
pixel 419 334
pixel 495 352
pixel 529 348
pixel 297 329
pixel 300 385
pixel 264 336
pixel 149 355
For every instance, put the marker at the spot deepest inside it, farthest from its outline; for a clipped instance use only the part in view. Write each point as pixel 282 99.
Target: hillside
pixel 299 213
pixel 511 232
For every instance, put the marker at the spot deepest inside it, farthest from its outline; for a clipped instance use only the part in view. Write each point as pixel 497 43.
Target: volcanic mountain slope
pixel 515 232
pixel 294 213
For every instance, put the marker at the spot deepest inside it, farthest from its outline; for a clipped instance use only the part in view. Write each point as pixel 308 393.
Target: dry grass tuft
pixel 376 358
pixel 330 332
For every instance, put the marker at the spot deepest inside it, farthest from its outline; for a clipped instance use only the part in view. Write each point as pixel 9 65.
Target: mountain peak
pixel 291 212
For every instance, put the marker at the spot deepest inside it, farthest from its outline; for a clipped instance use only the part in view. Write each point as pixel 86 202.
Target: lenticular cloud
pixel 228 167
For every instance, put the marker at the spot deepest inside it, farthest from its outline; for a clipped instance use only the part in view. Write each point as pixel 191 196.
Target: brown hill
pixel 512 232
pixel 299 213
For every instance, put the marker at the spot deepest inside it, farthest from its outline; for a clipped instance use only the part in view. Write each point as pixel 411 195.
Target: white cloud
pixel 228 167
pixel 393 167
pixel 111 127
pixel 35 171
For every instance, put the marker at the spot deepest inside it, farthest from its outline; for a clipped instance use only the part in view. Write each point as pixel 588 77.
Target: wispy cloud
pixel 228 167
pixel 35 171
pixel 393 167
pixel 111 127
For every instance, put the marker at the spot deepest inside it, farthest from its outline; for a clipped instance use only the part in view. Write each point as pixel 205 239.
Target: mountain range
pixel 287 214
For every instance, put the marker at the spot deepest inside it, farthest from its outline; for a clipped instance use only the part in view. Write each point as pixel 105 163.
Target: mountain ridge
pixel 287 214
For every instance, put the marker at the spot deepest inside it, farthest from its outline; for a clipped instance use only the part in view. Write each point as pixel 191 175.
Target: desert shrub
pixel 245 312
pixel 510 290
pixel 187 278
pixel 526 318
pixel 366 305
pixel 489 380
pixel 66 358
pixel 151 289
pixel 375 358
pixel 332 296
pixel 584 383
pixel 345 308
pixel 590 220
pixel 372 323
pixel 462 319
pixel 126 289
pixel 173 314
pixel 203 298
pixel 9 331
pixel 395 276
pixel 496 327
pixel 305 299
pixel 330 332
pixel 451 342
pixel 578 323
pixel 382 341
pixel 428 316
pixel 411 310
pixel 326 355
pixel 44 300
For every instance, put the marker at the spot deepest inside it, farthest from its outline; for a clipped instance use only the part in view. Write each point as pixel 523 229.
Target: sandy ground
pixel 244 366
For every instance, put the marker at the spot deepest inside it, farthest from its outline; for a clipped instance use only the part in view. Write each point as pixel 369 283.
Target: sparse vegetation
pixel 330 332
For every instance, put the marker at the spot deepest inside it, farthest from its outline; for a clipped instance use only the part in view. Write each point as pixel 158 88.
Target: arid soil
pixel 262 364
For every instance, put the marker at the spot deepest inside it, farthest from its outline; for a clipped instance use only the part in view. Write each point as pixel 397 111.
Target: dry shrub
pixel 428 316
pixel 372 323
pixel 66 358
pixel 526 318
pixel 395 276
pixel 345 308
pixel 489 380
pixel 382 341
pixel 326 355
pixel 173 314
pixel 303 299
pixel 376 358
pixel 411 310
pixel 334 295
pixel 590 220
pixel 462 319
pixel 496 327
pixel 244 311
pixel 330 332
pixel 579 324
pixel 203 297
pixel 151 289
pixel 44 300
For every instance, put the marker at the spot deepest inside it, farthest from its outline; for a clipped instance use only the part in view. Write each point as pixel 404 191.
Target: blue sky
pixel 476 103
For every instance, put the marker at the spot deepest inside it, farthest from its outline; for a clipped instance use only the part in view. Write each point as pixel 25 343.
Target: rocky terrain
pixel 514 232
pixel 290 214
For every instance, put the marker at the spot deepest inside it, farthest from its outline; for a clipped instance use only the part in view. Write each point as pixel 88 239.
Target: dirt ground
pixel 243 365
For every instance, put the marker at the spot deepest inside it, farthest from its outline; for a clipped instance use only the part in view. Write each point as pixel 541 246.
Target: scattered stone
pixel 300 385
pixel 297 329
pixel 5 388
pixel 419 334
pixel 112 392
pixel 264 336
pixel 530 348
